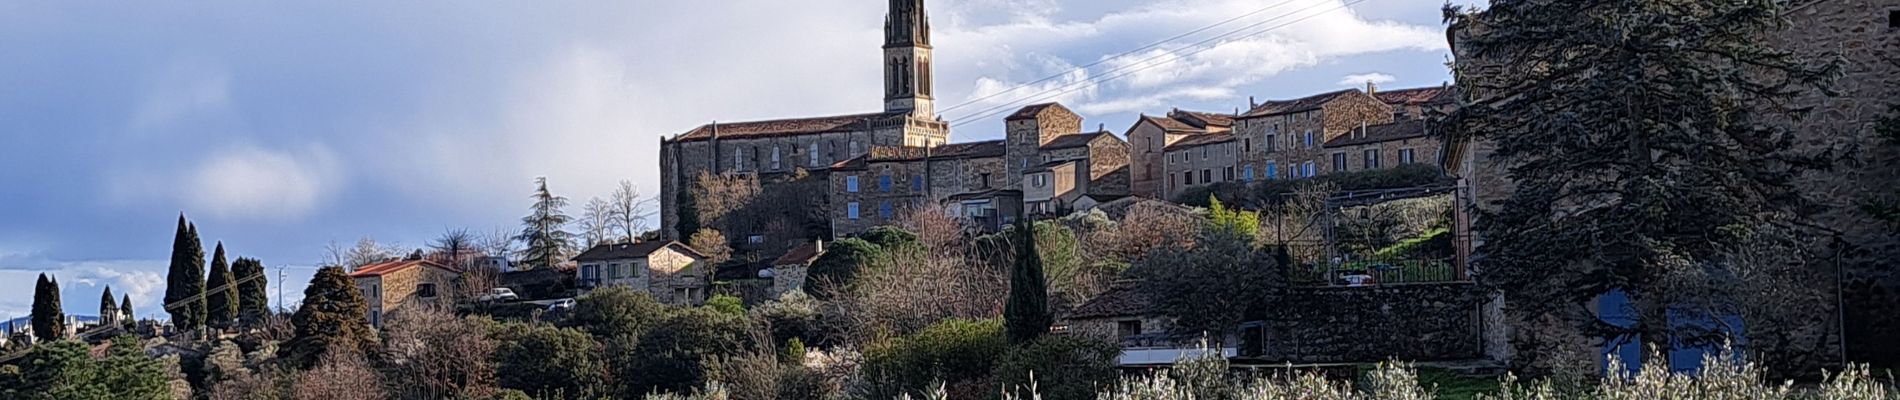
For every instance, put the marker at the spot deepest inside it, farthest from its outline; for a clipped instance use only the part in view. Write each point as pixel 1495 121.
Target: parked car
pixel 498 294
pixel 561 305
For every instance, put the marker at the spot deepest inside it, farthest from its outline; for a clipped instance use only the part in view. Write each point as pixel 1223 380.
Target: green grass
pixel 1454 386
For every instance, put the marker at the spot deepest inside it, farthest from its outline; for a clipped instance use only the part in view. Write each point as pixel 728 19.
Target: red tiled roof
pixel 1380 133
pixel 1074 140
pixel 1410 96
pixel 1206 118
pixel 1313 102
pixel 1122 299
pixel 1034 110
pixel 1200 140
pixel 1170 124
pixel 782 127
pixel 803 255
pixel 382 268
pixel 621 251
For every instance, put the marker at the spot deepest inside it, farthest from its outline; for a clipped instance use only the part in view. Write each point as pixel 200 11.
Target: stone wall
pixel 1217 160
pixel 1370 324
pixel 1424 151
pixel 871 197
pixel 1146 143
pixel 1109 172
pixel 953 176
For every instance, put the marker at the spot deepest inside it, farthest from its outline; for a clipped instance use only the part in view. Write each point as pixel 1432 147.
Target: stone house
pixel 1149 138
pixel 1202 160
pixel 393 286
pixel 1127 316
pixel 669 271
pixel 1385 146
pixel 788 271
pixel 1286 138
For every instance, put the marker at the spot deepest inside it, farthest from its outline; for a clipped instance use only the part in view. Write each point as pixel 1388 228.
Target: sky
pixel 279 128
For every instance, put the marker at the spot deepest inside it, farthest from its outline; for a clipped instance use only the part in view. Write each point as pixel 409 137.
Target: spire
pixel 907 25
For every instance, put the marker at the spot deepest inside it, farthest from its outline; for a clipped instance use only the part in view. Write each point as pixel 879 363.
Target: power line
pixel 993 111
pixel 1112 58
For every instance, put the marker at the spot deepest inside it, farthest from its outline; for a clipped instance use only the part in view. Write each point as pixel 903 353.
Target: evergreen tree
pixel 108 308
pixel 1638 137
pixel 543 229
pixel 1026 315
pixel 253 303
pixel 185 283
pixel 221 294
pixel 49 321
pixel 65 370
pixel 127 317
pixel 332 318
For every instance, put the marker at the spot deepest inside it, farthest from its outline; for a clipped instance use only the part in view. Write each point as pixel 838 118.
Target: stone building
pixel 789 270
pixel 1150 138
pixel 1286 138
pixel 1200 160
pixel 1384 146
pixel 667 270
pixel 393 286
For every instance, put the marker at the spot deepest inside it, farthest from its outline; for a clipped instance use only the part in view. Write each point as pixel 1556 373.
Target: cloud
pixel 1362 79
pixel 256 183
pixel 181 91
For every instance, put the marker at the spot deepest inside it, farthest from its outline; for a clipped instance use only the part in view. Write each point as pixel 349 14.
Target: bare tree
pixel 341 375
pixel 366 251
pixel 711 243
pixel 456 247
pixel 1296 218
pixel 629 211
pixel 1148 225
pixel 498 243
pixel 596 223
pixel 430 354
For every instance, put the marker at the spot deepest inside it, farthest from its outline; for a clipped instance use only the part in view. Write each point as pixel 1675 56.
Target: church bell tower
pixel 907 72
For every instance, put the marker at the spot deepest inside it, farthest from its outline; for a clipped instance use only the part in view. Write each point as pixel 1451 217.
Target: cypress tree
pixel 253 303
pixel 128 318
pixel 220 295
pixel 108 309
pixel 330 319
pixel 184 283
pixel 1026 315
pixel 542 230
pixel 49 321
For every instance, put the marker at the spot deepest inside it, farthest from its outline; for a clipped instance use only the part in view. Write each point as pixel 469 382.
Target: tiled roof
pixel 1074 140
pixel 1033 110
pixel 803 255
pixel 1049 165
pixel 1200 140
pixel 1207 118
pixel 1170 124
pixel 622 251
pixel 984 194
pixel 987 148
pixel 782 127
pixel 1380 133
pixel 1410 96
pixel 1123 299
pixel 379 269
pixel 1313 102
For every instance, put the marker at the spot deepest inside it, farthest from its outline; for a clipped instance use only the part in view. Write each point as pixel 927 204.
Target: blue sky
pixel 280 128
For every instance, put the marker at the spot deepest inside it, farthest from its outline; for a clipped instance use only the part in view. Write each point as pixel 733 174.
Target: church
pixel 857 171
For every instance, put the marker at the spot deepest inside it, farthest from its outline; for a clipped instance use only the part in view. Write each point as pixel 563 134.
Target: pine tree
pixel 185 283
pixel 1026 315
pixel 542 230
pixel 221 294
pixel 49 321
pixel 108 309
pixel 1638 138
pixel 253 303
pixel 128 318
pixel 332 318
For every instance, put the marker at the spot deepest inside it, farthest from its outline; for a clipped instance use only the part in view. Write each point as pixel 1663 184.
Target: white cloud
pixel 1362 79
pixel 256 183
pixel 183 90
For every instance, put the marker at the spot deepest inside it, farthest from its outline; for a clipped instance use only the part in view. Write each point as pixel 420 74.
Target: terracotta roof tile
pixel 1380 133
pixel 382 268
pixel 1200 140
pixel 1124 299
pixel 783 127
pixel 1171 124
pixel 803 255
pixel 1313 102
pixel 1207 118
pixel 1074 140
pixel 1411 96
pixel 621 251
pixel 1034 110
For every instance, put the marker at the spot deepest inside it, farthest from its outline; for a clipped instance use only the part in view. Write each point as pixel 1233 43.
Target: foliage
pixel 726 304
pixel 794 317
pixel 253 304
pixel 64 370
pixel 548 362
pixel 49 320
pixel 840 266
pixel 956 353
pixel 794 352
pixel 1653 180
pixel 1214 286
pixel 1059 368
pixel 616 311
pixel 712 244
pixel 890 238
pixel 331 320
pixel 430 354
pixel 125 309
pixel 1886 206
pixel 1026 314
pixel 1268 192
pixel 1232 221
pixel 672 356
pixel 544 229
pixel 108 308
pixel 185 281
pixel 221 296
pixel 339 376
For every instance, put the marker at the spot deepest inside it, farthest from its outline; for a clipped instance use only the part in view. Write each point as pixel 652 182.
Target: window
pixel 1309 170
pixel 813 155
pixel 1246 145
pixel 1339 162
pixel 376 317
pixel 1405 156
pixel 884 183
pixel 851 210
pixel 1227 174
pixel 1372 158
pixel 755 239
pixel 738 161
pixel 376 290
pixel 1247 174
pixel 1270 139
pixel 1171 180
pixel 917 183
pixel 851 183
pixel 1273 170
pixel 984 179
pixel 884 210
pixel 1207 176
pixel 1127 329
pixel 775 157
pixel 1187 178
pixel 1893 19
pixel 425 290
pixel 1309 138
pixel 588 273
pixel 1038 180
pixel 1203 153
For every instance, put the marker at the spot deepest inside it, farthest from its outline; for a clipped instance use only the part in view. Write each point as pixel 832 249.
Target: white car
pixel 561 305
pixel 498 294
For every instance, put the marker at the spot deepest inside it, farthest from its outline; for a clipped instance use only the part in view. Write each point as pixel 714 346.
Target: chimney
pixel 1371 87
pixel 1251 104
pixel 820 245
pixel 1362 129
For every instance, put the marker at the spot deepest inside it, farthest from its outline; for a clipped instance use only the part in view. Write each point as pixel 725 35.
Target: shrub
pixel 956 353
pixel 545 361
pixel 1059 368
pixel 794 316
pixel 671 357
pixel 841 264
pixel 726 304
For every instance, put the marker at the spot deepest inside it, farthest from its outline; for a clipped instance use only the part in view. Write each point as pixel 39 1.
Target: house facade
pixel 1150 137
pixel 393 286
pixel 667 270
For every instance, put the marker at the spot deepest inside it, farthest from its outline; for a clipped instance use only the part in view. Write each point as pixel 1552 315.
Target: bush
pixel 545 361
pixel 672 357
pixel 794 316
pixel 840 266
pixel 957 353
pixel 726 305
pixel 1059 368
